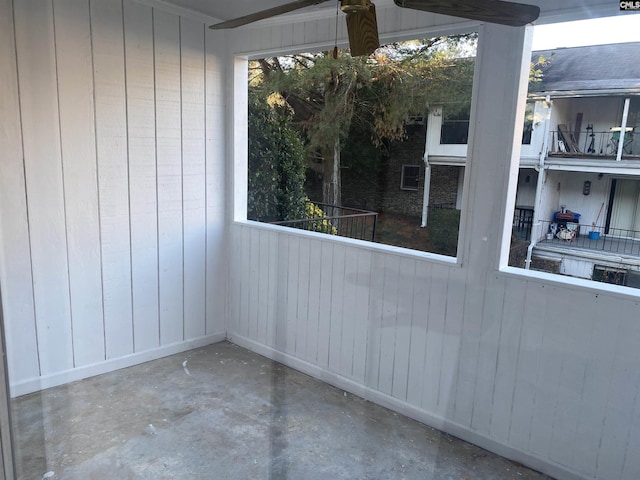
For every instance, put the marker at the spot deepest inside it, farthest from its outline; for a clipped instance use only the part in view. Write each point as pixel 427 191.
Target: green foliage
pixel 443 227
pixel 321 225
pixel 536 71
pixel 276 165
pixel 328 95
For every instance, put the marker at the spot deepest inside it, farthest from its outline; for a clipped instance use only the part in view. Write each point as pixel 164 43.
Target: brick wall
pixel 444 178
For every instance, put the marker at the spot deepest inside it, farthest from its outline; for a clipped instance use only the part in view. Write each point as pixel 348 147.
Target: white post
pixel 427 187
pixel 542 174
pixel 623 127
pixel 499 99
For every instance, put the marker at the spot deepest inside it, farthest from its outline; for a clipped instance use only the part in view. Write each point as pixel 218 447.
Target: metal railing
pixel 337 220
pixel 606 239
pixel 593 144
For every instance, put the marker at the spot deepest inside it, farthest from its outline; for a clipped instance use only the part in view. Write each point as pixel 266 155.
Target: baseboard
pixel 552 469
pixel 60 378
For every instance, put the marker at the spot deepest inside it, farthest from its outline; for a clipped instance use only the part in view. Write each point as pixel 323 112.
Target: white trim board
pixel 60 378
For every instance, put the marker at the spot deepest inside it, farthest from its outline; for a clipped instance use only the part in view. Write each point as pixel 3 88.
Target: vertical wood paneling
pixel 389 323
pixel 326 266
pixel 291 306
pixel 193 179
pixel 77 134
pixel 302 321
pixel 631 467
pixel 349 312
pixel 451 342
pixel 622 399
pixel 235 280
pixel 529 372
pixel 375 320
pixel 313 315
pixel 548 378
pixel 216 214
pixel 575 350
pixel 593 404
pixel 113 177
pixel 507 361
pixel 337 318
pixel 361 320
pixel 488 353
pixel 419 303
pixel 298 34
pixel 436 313
pixel 272 291
pixel 15 253
pixel 528 363
pixel 286 35
pixel 406 282
pixel 245 283
pixel 44 183
pixel 469 348
pixel 255 267
pixel 280 331
pixel 169 181
pixel 138 26
pixel 265 314
pixel 82 256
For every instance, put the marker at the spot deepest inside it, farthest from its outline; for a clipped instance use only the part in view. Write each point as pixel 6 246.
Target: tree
pixel 276 165
pixel 329 94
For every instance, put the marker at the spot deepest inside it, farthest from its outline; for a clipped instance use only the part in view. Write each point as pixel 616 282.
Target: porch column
pixel 495 133
pixel 623 127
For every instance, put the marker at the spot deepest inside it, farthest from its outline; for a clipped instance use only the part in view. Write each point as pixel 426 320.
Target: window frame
pixel 404 177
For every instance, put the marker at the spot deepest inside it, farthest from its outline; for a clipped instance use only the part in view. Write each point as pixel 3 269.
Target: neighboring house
pixel 580 153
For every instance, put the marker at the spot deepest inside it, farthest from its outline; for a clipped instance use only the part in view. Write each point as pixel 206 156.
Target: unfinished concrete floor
pixel 224 412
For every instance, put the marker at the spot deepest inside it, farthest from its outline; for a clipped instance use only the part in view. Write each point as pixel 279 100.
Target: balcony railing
pixel 590 143
pixel 601 238
pixel 336 220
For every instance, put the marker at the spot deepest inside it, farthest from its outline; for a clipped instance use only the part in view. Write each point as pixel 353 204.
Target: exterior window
pixel 455 128
pixel 410 176
pixel 528 125
pixel 604 274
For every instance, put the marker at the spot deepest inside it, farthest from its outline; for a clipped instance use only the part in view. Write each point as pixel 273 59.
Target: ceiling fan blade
pixel 363 32
pixel 271 12
pixel 491 11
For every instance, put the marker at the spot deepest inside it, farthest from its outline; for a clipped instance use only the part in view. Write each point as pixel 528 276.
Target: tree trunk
pixel 331 180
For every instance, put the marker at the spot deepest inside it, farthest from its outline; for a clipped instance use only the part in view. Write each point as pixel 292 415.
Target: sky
pixel 622 28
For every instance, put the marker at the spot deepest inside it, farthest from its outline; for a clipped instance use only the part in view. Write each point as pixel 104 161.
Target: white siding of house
pixel 526 365
pixel 112 187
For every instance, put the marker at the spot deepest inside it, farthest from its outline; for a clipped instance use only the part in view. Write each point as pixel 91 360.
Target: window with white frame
pixel 334 167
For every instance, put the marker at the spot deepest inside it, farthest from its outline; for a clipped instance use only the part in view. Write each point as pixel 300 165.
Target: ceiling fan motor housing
pixel 354 6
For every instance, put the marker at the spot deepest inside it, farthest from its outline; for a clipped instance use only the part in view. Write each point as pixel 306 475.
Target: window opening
pixel 410 177
pixel 570 218
pixel 333 151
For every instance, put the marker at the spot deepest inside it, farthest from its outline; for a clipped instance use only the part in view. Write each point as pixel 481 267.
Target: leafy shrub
pixel 276 165
pixel 321 225
pixel 444 224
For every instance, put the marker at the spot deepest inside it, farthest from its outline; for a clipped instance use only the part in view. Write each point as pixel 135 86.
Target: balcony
pixel 590 144
pixel 606 240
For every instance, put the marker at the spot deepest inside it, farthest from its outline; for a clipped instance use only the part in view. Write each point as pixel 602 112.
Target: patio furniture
pixel 628 139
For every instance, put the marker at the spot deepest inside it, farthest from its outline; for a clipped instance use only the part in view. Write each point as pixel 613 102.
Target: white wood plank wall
pixel 546 372
pixel 112 187
pixel 541 372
